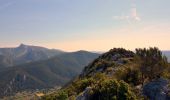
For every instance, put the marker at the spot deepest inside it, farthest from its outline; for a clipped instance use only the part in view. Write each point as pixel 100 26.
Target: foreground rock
pixel 157 90
pixel 84 95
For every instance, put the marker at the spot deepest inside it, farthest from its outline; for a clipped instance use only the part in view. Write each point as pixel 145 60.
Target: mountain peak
pixel 22 46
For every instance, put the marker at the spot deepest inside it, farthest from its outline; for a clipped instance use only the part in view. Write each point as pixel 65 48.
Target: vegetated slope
pixel 25 54
pixel 120 75
pixel 4 61
pixel 55 71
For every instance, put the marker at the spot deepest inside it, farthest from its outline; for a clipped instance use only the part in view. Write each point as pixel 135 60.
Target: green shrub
pixel 62 96
pixel 112 90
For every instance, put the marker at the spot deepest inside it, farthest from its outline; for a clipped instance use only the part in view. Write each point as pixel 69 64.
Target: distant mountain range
pixel 31 67
pixel 28 53
pixel 25 54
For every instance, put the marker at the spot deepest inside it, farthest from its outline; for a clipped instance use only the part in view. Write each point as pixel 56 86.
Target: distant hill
pixel 167 54
pixel 25 54
pixel 56 71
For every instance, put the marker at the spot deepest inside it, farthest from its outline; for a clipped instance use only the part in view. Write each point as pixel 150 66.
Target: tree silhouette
pixel 153 63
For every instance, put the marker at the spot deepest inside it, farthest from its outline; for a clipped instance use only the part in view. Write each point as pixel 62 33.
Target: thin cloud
pixel 132 16
pixel 122 17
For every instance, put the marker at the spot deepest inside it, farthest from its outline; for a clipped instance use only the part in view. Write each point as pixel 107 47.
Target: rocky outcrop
pixel 157 90
pixel 84 95
pixel 115 58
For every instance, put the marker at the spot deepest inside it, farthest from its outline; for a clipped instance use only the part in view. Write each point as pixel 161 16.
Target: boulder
pixel 157 90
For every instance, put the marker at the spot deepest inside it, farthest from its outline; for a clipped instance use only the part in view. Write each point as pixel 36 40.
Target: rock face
pixel 84 95
pixel 157 90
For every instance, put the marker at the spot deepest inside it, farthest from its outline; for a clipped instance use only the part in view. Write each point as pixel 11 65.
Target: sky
pixel 94 25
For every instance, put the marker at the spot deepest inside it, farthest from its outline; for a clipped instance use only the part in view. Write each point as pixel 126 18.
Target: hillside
pixel 120 74
pixel 55 71
pixel 25 54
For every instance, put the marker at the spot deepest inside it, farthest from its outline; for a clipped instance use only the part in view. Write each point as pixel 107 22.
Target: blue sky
pixel 85 24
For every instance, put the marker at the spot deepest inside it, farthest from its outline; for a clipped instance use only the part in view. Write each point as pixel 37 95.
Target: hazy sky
pixel 96 25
